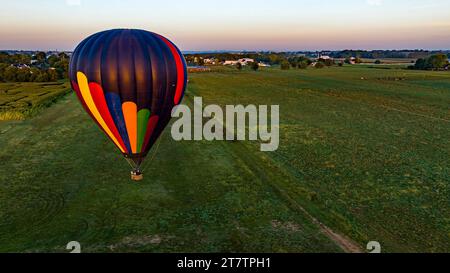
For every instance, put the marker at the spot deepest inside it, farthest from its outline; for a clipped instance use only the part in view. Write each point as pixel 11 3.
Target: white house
pixel 245 61
pixel 230 62
pixel 20 66
pixel 352 60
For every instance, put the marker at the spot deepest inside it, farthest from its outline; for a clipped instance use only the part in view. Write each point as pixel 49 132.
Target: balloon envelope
pixel 128 81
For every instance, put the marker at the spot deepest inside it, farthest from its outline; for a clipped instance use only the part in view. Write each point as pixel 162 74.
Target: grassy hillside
pixel 367 150
pixel 363 150
pixel 61 180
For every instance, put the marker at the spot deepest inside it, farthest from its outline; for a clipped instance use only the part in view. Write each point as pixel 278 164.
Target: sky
pixel 199 25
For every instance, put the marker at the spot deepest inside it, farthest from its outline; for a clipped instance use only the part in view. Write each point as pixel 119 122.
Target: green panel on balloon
pixel 143 116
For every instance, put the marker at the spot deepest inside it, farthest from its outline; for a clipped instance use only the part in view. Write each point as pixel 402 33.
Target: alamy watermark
pixel 237 122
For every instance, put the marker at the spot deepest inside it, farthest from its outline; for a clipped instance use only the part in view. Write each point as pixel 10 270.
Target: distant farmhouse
pixel 20 66
pixel 244 61
pixel 352 60
pixel 325 57
pixel 230 62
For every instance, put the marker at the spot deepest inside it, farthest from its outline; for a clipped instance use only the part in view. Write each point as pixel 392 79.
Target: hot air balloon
pixel 128 81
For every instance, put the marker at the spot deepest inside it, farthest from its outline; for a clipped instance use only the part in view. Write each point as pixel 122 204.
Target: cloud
pixel 375 2
pixel 73 2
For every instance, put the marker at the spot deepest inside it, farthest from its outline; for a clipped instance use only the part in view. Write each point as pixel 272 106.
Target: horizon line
pixel 259 50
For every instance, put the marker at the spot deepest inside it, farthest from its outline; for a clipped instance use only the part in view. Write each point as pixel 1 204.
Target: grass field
pixel 365 151
pixel 19 101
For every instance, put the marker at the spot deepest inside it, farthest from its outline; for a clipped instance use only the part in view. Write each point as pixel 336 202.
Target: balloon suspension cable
pixel 130 162
pixel 147 163
pixel 136 172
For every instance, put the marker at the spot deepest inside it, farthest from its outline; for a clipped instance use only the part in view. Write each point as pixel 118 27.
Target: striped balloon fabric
pixel 128 81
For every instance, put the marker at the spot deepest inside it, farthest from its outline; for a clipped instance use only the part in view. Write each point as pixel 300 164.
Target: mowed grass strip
pixel 19 101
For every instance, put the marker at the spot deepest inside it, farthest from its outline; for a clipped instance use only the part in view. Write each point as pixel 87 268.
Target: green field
pixel 364 156
pixel 19 101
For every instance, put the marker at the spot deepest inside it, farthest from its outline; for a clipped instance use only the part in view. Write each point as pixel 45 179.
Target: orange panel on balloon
pixel 130 115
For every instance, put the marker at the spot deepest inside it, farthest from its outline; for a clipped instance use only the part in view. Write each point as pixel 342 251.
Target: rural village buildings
pixel 245 61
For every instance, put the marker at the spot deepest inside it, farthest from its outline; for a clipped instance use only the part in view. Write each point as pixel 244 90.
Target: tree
pixel 254 66
pixel 285 65
pixel 420 64
pixel 298 60
pixel 438 61
pixel 63 56
pixel 239 66
pixel 34 73
pixel 327 62
pixel 52 60
pixel 303 65
pixel 52 75
pixel 4 57
pixel 10 74
pixel 274 58
pixel 23 75
pixel 2 71
pixel 19 59
pixel 62 67
pixel 319 65
pixel 434 62
pixel 53 68
pixel 41 57
pixel 42 77
pixel 304 59
pixel 3 66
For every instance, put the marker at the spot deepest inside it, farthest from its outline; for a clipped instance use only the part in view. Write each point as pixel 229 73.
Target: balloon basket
pixel 137 176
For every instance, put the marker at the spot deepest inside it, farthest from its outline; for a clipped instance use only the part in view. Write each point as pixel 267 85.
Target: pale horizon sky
pixel 199 25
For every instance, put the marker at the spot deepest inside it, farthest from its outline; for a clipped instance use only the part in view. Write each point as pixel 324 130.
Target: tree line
pixel 272 58
pixel 38 67
pixel 276 58
pixel 386 54
pixel 286 60
pixel 434 62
